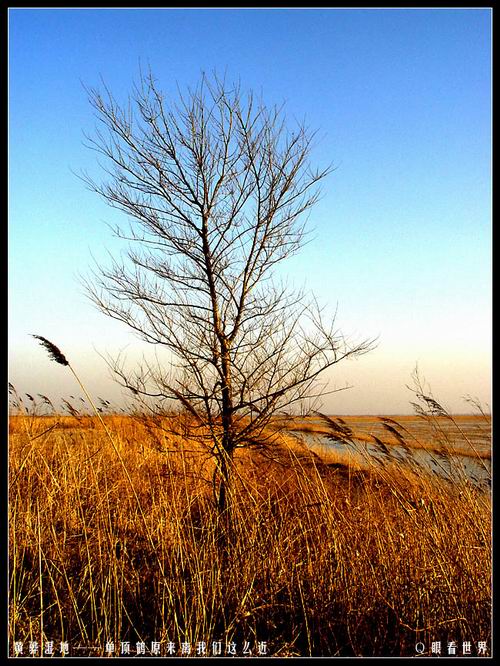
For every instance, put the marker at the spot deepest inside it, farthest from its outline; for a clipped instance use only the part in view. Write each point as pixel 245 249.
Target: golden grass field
pixel 117 542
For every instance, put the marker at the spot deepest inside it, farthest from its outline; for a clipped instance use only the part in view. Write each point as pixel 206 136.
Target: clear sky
pixel 402 234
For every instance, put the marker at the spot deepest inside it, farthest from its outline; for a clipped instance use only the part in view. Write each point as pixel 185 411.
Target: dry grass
pixel 327 559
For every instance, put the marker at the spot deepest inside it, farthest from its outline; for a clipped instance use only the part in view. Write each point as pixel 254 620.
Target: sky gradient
pixel 401 241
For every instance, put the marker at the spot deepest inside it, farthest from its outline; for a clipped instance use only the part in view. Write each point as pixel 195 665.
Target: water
pixel 451 468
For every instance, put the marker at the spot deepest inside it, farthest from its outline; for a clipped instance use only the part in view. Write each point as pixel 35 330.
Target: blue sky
pixel 401 100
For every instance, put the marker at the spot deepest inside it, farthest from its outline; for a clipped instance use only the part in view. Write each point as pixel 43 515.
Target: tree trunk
pixel 226 459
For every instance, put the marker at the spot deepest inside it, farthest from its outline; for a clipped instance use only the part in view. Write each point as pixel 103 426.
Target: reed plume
pixel 54 352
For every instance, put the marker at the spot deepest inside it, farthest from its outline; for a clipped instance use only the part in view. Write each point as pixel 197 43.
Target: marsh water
pixel 451 467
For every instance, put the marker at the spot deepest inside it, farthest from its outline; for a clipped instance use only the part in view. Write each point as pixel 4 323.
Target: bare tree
pixel 217 188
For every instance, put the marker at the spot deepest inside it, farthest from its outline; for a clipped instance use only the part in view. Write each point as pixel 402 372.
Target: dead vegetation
pixel 326 558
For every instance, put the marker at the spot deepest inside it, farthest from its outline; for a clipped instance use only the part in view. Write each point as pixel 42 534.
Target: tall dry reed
pixel 116 539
